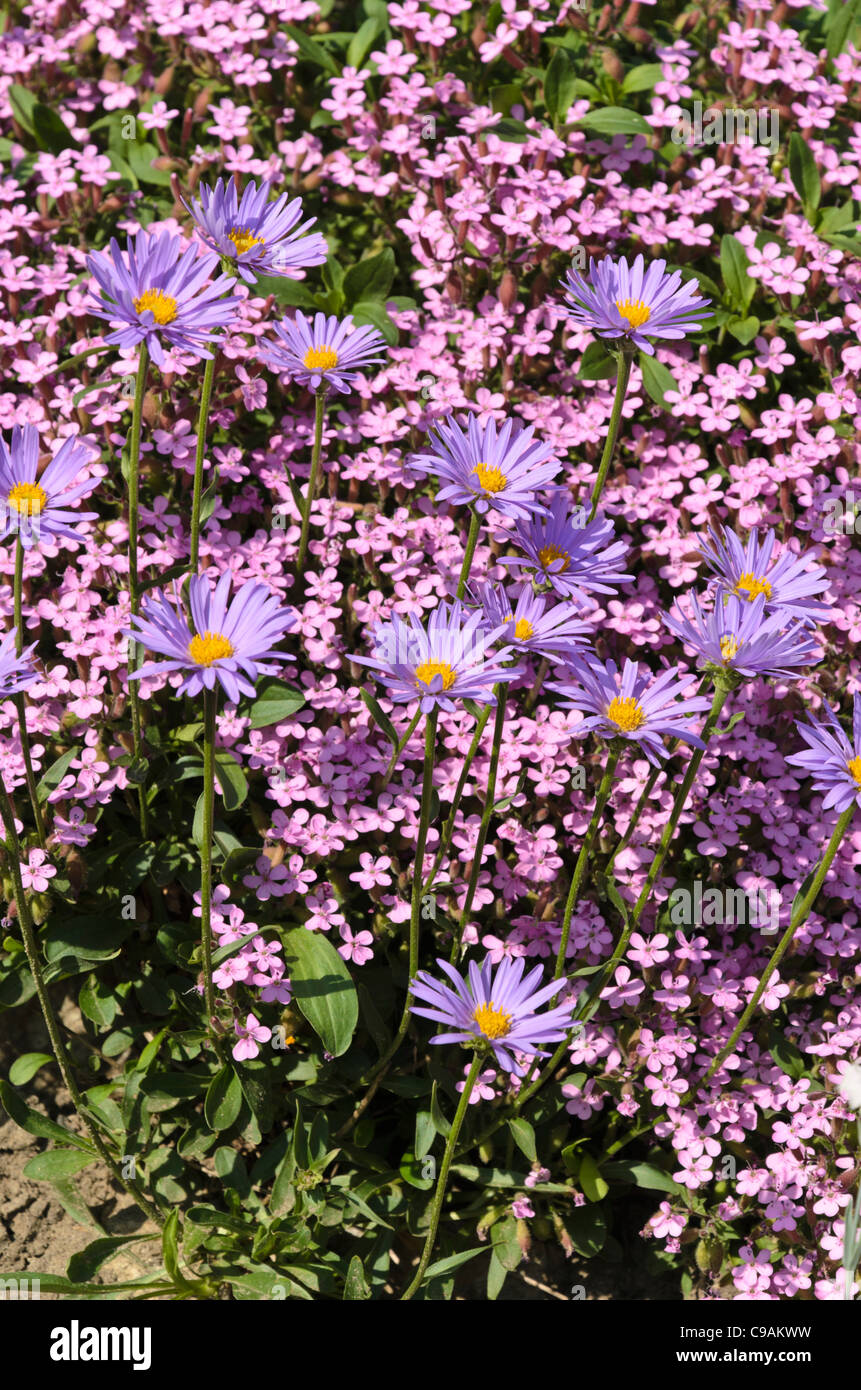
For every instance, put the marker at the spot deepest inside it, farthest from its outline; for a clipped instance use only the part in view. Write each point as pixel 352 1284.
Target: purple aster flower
pixel 642 709
pixel 618 301
pixel 232 645
pixel 521 621
pixel 568 552
pixel 30 509
pixel 260 236
pixel 738 636
pixel 494 1008
pixel 16 672
pixel 158 293
pixel 484 467
pixel 440 664
pixel 787 584
pixel 831 759
pixel 327 352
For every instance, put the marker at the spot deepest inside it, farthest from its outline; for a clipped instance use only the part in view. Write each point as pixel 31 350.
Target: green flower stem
pixel 532 697
pixel 797 919
pixel 722 690
pixel 623 375
pixel 448 828
pixel 319 412
pixel 20 698
pixel 417 893
pixel 209 707
pixel 202 423
pixel 583 857
pixel 31 946
pixel 439 1195
pixel 471 543
pixel 134 590
pixel 501 693
pixel 402 743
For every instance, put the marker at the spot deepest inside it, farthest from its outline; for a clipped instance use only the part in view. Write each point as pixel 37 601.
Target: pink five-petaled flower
pixel 37 873
pixel 356 948
pixel 249 1034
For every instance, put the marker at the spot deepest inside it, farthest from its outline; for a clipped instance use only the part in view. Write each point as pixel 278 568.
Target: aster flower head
pixel 571 554
pixel 523 622
pixel 831 758
pixel 739 638
pixel 494 1009
pixel 32 508
pixel 230 644
pixel 158 295
pixel 485 467
pixel 642 709
pixel 439 664
pixel 256 235
pixel 634 303
pixel 16 672
pixel 327 352
pixel 747 571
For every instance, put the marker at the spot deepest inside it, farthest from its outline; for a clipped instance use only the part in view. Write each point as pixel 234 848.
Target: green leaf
pixel 139 156
pixel 56 1164
pixel 594 1186
pixel 234 787
pixel 310 49
pixel 642 78
pixel 50 131
pixel 496 1276
pixel 505 1243
pixel 170 1248
pixel 322 988
pixel 275 702
pixel 255 1088
pixel 560 84
pixel 39 1125
pixel 615 898
pixel 804 174
pixel 840 24
pixel 363 41
pixel 524 1137
pixel 165 1089
pixel 381 720
pixel 614 120
pixel 787 1055
pixel 510 131
pixel 356 1286
pixel 442 1125
pixel 740 287
pixel 373 312
pixel 597 363
pixel 56 772
pixel 644 1175
pixel 744 330
pixel 22 103
pixel 802 893
pixel 98 1002
pixel 86 939
pixel 587 1228
pixel 223 1099
pixel 425 1134
pixel 454 1262
pixel 657 379
pixel 26 1066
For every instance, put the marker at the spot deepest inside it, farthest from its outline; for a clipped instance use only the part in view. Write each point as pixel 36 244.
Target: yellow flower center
pixel 523 630
pixel 243 239
pixel 209 647
pixel 492 1022
pixel 28 499
pixel 855 768
pixel 161 306
pixel 428 669
pixel 321 359
pixel 551 553
pixel 491 479
pixel 636 312
pixel 625 713
pixel 750 588
pixel 729 646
